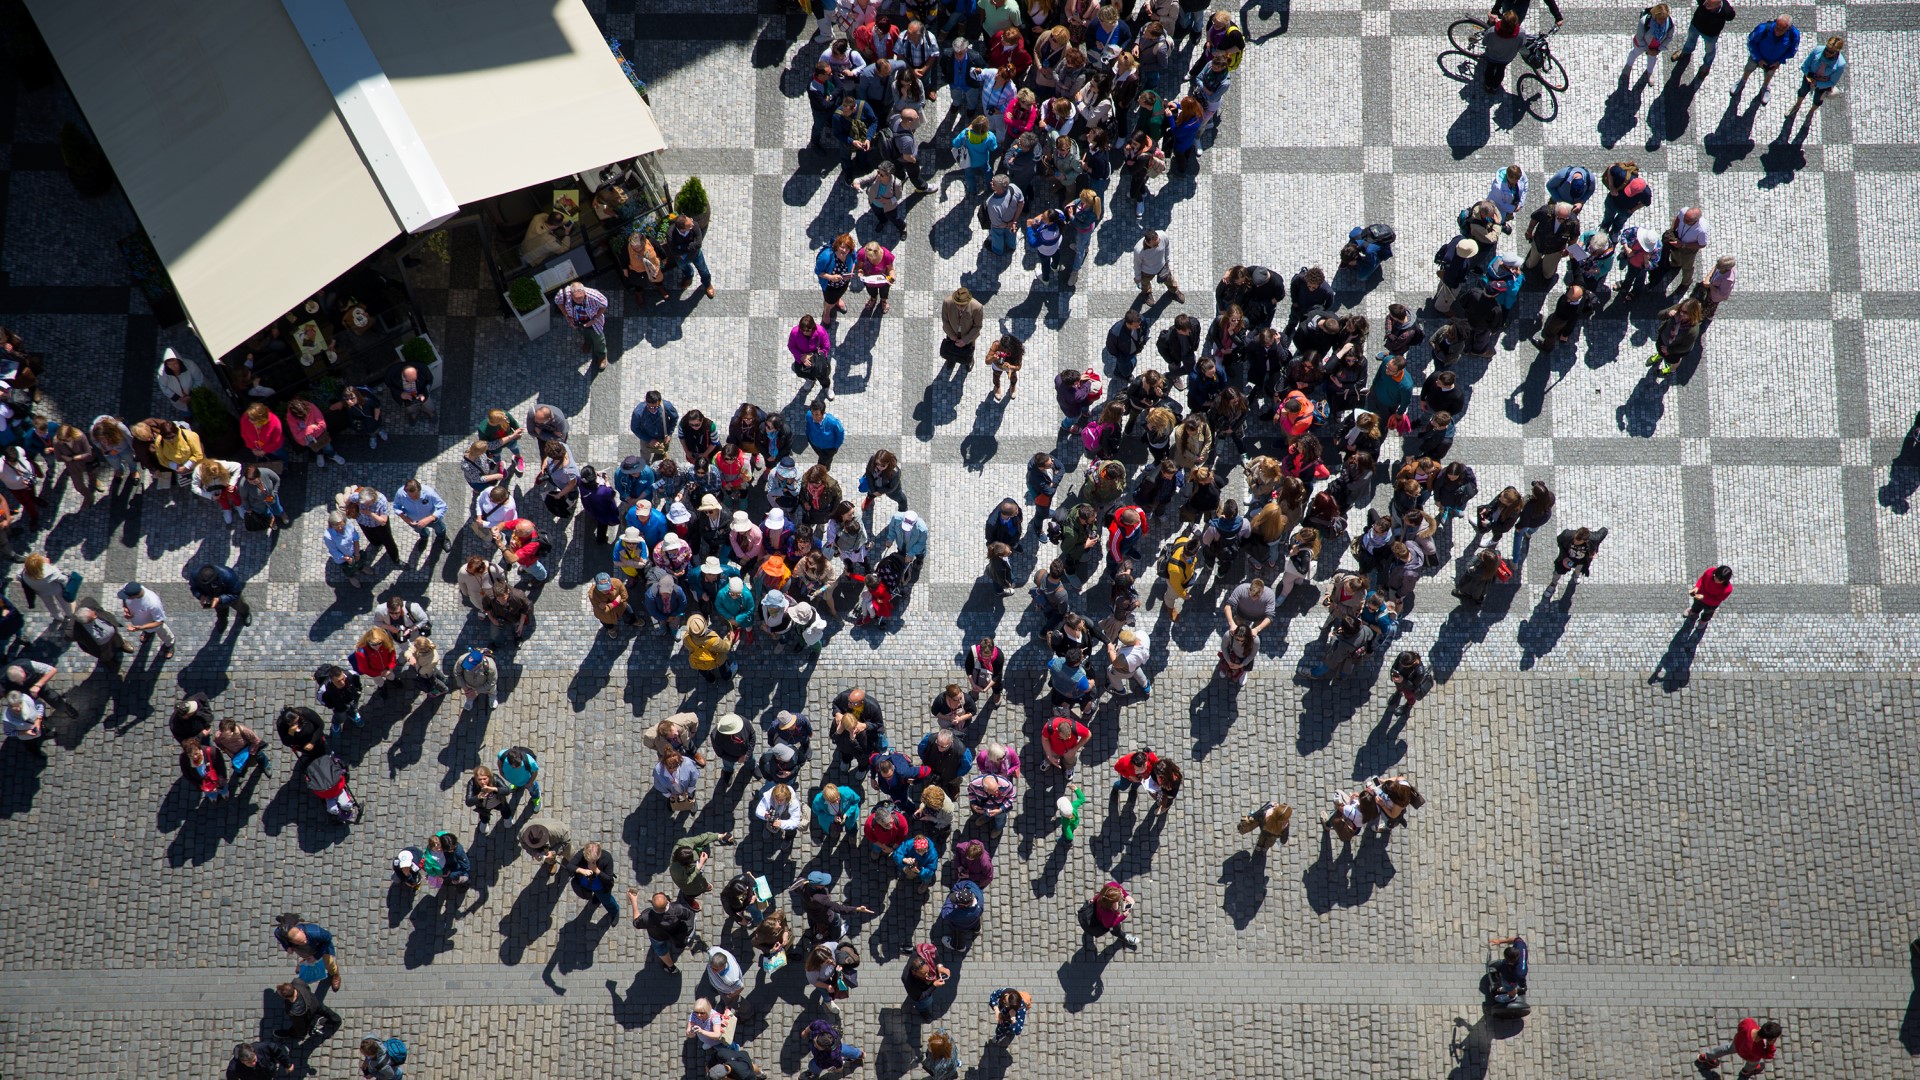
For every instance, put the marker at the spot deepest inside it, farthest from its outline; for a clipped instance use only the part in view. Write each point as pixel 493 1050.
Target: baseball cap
pixel 909 521
pixel 130 590
pixel 472 659
pixel 602 583
pixel 820 878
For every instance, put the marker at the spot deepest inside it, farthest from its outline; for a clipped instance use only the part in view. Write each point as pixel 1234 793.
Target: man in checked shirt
pixel 586 310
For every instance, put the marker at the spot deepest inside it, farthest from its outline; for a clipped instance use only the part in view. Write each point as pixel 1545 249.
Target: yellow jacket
pixel 180 451
pixel 707 652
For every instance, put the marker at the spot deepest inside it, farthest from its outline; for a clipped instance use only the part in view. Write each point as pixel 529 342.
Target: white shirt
pixel 1151 261
pixel 1507 199
pixel 790 816
pixel 491 515
pixel 1686 235
pixel 145 608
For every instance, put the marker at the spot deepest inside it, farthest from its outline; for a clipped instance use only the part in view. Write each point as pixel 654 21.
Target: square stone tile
pixel 1893 395
pixel 1779 233
pixel 1855 452
pixel 962 498
pixel 1694 452
pixel 1273 239
pixel 1896 525
pixel 1740 356
pixel 1376 24
pixel 1846 305
pixel 1614 399
pixel 1378 159
pixel 1890 229
pixel 1881 108
pixel 1641 508
pixel 1331 119
pixel 1748 521
pixel 1837 157
pixel 1830 19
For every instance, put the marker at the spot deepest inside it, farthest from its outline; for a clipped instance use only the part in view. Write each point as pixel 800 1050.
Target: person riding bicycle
pixel 1520 8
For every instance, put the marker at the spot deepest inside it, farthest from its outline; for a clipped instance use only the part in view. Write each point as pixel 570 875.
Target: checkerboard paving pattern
pixel 1778 450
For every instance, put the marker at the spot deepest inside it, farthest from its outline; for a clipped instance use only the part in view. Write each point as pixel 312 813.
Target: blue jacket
pixel 964 918
pixel 928 866
pixel 226 585
pixel 827 433
pixel 1767 48
pixel 653 527
pixel 636 486
pixel 979 154
pixel 650 428
pixel 1572 184
pixel 911 544
pixel 825 263
pixel 319 942
pixel 1006 531
pixel 1824 74
pixel 675 607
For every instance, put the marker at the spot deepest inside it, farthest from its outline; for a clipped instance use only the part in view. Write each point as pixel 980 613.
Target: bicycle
pixel 1537 87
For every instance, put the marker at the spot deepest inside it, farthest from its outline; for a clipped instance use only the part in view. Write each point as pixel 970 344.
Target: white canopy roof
pixel 237 159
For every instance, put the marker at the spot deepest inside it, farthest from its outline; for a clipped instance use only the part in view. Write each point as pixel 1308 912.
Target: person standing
pixel 1709 18
pixel 1755 1043
pixel 975 146
pixel 218 588
pixel 304 1012
pixel 1502 43
pixel 1563 323
pixel 1152 261
pixel 1710 590
pixel 1650 37
pixel 669 927
pixel 1005 207
pixel 1677 337
pixel 961 320
pixel 346 546
pixel 586 311
pixel 687 865
pixel 144 612
pixel 1682 250
pixel 1535 512
pixel 685 246
pixel 825 433
pixel 424 511
pixel 1550 229
pixel 591 874
pixel 1770 45
pixel 1577 549
pixel 1819 75
pixel 1009 1013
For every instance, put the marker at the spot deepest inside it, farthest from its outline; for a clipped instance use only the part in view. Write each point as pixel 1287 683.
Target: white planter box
pixel 535 323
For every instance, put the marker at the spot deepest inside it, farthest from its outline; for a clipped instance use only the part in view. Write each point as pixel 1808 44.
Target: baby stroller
pixel 326 777
pixel 1505 985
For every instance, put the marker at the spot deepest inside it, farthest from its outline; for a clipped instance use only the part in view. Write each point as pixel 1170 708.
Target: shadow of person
pixel 1639 416
pixel 574 945
pixel 1245 876
pixel 1327 880
pixel 1784 157
pixel 1910 1025
pixel 1675 668
pixel 1471 1048
pixel 1621 114
pixel 1282 9
pixel 1540 631
pixel 1083 976
pixel 1670 113
pixel 1903 473
pixel 1386 744
pixel 1732 140
pixel 646 999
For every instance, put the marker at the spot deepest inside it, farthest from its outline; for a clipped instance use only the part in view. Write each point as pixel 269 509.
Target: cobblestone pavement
pixel 1687 834
pixel 1675 857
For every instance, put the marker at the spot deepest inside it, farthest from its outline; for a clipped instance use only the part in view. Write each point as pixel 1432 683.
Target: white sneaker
pixel 319 461
pixel 228 514
pixel 373 443
pixel 338 460
pixel 383 434
pixel 829 393
pixel 1140 208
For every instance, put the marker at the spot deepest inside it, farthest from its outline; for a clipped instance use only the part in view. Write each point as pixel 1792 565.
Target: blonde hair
pixel 933 797
pixel 499 418
pixel 258 412
pixel 214 474
pixel 782 793
pixel 35 567
pixel 376 636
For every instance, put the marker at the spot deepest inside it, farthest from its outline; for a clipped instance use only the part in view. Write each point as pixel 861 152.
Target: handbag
pixel 72 588
pixel 559 506
pixel 955 354
pixel 1504 571
pixel 681 804
pixel 255 521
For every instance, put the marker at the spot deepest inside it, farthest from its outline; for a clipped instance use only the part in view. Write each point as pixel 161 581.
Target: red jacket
pixel 1746 1039
pixel 1127 772
pixel 1712 593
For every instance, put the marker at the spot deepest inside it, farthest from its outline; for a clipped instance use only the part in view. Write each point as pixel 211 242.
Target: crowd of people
pixel 713 532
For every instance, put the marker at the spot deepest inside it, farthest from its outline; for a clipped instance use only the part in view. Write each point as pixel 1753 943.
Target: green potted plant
pixel 692 201
pixel 86 166
pixel 530 307
pixel 215 425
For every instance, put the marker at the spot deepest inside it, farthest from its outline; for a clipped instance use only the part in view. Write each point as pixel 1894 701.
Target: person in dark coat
pixel 1577 549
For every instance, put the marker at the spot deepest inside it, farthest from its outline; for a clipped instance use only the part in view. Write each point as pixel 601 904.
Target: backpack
pixel 396 1049
pixel 1380 233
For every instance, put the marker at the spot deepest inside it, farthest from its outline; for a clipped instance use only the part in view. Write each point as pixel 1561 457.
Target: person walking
pixel 1754 1042
pixel 669 926
pixel 833 270
pixel 218 588
pixel 1710 590
pixel 423 510
pixel 144 612
pixel 310 944
pixel 687 864
pixel 825 433
pixel 1770 44
pixel 686 248
pixel 1108 909
pixel 304 1012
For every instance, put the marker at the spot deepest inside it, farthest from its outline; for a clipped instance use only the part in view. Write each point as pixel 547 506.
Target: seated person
pixel 548 236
